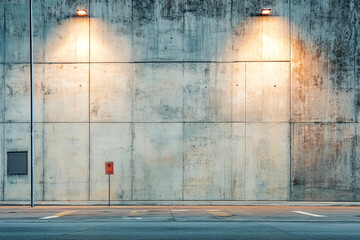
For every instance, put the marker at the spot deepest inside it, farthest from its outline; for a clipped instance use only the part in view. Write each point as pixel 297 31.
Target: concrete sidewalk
pixel 177 203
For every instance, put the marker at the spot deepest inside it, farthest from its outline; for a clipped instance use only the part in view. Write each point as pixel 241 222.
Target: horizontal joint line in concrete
pixel 8 122
pixel 140 62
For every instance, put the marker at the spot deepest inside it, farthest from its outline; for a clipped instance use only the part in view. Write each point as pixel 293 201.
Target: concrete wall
pixel 191 99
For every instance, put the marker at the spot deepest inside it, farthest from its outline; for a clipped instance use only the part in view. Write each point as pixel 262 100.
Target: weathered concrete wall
pixel 191 99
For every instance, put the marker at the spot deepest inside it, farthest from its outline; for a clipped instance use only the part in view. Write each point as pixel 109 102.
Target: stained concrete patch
pixel 158 95
pixel 64 89
pixel 157 30
pixel 324 87
pixel 324 161
pixel 267 92
pixel 157 161
pixel 207 161
pixel 110 92
pixel 2 31
pixel 16 31
pixel 238 93
pixel 2 93
pixel 17 102
pixel 110 142
pixel 238 164
pixel 267 161
pixel 207 94
pixel 110 31
pixel 2 164
pixel 207 30
pixel 66 155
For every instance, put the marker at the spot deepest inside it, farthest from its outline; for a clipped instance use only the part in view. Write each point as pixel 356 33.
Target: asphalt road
pixel 175 222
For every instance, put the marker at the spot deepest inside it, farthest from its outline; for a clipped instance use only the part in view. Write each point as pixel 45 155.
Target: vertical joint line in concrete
pixel 43 135
pixel 183 136
pixel 231 130
pixel 132 106
pixel 355 165
pixel 290 110
pixel 43 158
pixel 183 35
pixel 89 99
pixel 245 136
pixel 44 33
pixel 132 135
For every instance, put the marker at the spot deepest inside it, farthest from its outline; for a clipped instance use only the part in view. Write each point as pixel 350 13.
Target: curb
pixel 177 203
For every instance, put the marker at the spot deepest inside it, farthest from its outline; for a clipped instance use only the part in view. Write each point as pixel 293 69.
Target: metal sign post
pixel 31 106
pixel 109 170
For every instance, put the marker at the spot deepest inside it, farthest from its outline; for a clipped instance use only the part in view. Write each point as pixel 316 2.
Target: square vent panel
pixel 17 163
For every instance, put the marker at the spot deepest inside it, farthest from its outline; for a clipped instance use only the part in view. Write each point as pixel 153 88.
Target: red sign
pixel 109 168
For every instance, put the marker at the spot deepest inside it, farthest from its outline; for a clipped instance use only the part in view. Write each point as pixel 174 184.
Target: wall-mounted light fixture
pixel 81 12
pixel 266 12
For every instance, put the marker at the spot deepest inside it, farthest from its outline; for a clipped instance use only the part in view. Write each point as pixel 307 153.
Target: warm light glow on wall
pixel 262 39
pixel 69 41
pixel 81 12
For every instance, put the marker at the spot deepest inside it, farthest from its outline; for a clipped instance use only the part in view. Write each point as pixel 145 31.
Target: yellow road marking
pixel 59 214
pixel 218 213
pixel 135 213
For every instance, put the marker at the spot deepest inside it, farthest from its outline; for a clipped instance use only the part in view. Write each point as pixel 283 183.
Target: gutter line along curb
pixel 177 203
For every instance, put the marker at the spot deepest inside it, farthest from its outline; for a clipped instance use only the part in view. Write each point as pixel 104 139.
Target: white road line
pixel 179 210
pixel 309 214
pixel 49 217
pixel 58 215
pixel 212 210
